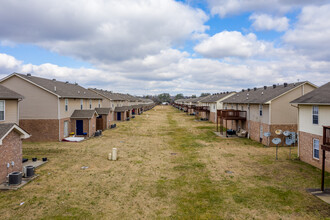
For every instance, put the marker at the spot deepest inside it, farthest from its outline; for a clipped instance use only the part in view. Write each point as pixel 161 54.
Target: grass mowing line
pixel 196 195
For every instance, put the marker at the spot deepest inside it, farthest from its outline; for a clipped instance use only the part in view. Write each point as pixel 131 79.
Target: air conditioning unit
pixel 28 171
pixel 15 178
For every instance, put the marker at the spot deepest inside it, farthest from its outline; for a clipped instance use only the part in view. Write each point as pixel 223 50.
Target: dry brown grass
pixel 169 167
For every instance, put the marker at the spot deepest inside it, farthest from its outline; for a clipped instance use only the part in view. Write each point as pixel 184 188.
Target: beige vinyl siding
pixel 74 104
pixel 255 114
pixel 306 122
pixel 37 103
pixel 11 112
pixel 281 109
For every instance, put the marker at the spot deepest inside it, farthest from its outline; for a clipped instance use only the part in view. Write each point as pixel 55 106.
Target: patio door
pixel 118 116
pixel 79 127
pixel 66 128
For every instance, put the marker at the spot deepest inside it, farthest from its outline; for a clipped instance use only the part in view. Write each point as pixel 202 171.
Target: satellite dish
pixel 278 132
pixel 288 141
pixel 276 141
pixel 267 134
pixel 286 133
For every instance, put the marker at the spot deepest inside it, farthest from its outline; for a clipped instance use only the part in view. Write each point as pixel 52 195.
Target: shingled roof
pixel 216 97
pixel 6 93
pixel 6 128
pixel 263 94
pixel 108 94
pixel 103 111
pixel 320 95
pixel 83 114
pixel 123 108
pixel 61 89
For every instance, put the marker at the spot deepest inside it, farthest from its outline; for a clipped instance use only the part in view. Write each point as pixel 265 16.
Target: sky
pixel 165 46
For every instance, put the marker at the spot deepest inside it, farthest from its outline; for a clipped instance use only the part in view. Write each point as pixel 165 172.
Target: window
pixel 316 148
pixel 81 104
pixel 242 108
pixel 99 103
pixel 2 110
pixel 226 106
pixel 90 104
pixel 315 115
pixel 232 106
pixel 66 105
pixel 260 109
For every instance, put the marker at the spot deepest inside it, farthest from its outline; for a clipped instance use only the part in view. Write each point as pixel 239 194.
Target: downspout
pixel 59 116
pixel 249 125
pixel 298 129
pixel 89 127
pixel 270 118
pixel 18 112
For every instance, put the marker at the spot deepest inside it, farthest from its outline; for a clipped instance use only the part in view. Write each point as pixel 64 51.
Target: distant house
pixel 214 102
pixel 313 114
pixel 267 109
pixel 48 107
pixel 10 133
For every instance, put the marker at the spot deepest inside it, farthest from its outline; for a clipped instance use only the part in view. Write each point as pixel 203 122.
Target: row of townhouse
pixel 40 109
pixel 52 109
pixel 294 107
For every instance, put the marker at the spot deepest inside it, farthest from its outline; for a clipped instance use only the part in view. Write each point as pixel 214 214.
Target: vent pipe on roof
pixel 274 86
pixel 243 90
pixel 76 84
pixel 54 80
pixel 285 84
pixel 248 89
pixel 254 88
pixel 29 74
pixel 265 87
pixel 78 92
pixel 262 93
pixel 67 82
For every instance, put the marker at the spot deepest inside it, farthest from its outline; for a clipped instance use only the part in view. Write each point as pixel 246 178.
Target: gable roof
pixel 108 94
pixel 123 108
pixel 263 94
pixel 103 111
pixel 6 128
pixel 58 88
pixel 6 93
pixel 216 97
pixel 320 95
pixel 83 114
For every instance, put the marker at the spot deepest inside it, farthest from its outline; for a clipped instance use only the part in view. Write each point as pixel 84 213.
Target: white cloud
pixel 311 33
pixel 233 7
pixel 228 44
pixel 100 31
pixel 267 22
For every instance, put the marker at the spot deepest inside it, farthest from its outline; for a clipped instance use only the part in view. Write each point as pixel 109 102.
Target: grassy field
pixel 169 167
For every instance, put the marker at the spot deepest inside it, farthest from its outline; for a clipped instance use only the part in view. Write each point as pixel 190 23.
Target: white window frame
pixel 4 110
pixel 99 103
pixel 81 104
pixel 66 106
pixel 260 110
pixel 242 107
pixel 315 113
pixel 314 147
pixel 90 104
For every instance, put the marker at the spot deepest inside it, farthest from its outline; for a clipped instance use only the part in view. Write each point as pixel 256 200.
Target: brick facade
pixel 10 150
pixel 89 126
pixel 41 129
pixel 306 150
pixel 213 117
